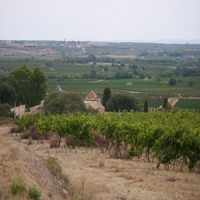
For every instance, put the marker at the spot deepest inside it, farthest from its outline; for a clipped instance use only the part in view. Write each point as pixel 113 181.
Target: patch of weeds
pixel 78 192
pixel 54 166
pixel 34 193
pixel 17 187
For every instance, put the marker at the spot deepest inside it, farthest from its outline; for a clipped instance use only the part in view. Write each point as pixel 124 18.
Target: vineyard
pixel 188 104
pixel 164 137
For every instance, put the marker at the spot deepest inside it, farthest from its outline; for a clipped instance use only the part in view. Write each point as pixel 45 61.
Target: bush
pixel 5 110
pixel 34 193
pixel 62 102
pixel 54 166
pixel 172 82
pixel 17 187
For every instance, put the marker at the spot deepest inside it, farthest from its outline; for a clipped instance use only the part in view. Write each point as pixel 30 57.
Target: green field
pixel 188 103
pixel 137 68
pixel 134 86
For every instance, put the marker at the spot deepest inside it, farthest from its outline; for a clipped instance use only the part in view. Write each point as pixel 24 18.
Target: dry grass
pixel 54 166
pixel 17 162
pixel 103 178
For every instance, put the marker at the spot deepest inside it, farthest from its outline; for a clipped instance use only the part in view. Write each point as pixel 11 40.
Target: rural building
pixel 93 101
pixel 37 108
pixel 58 88
pixel 19 110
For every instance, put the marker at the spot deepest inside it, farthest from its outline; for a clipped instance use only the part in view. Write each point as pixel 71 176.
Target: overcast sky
pixel 101 20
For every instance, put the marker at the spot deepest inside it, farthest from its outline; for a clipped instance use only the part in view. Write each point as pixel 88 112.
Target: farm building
pixel 58 88
pixel 93 101
pixel 19 110
pixel 37 108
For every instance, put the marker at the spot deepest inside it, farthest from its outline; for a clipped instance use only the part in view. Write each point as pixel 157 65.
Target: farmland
pixel 189 104
pixel 141 70
pixel 152 155
pixel 168 136
pixel 135 68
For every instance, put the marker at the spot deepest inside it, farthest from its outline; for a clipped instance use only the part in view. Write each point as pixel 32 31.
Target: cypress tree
pixel 106 96
pixel 146 108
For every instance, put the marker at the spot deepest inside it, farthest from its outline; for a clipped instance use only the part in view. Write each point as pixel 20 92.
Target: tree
pixel 146 109
pixel 5 110
pixel 20 78
pixel 37 87
pixel 121 102
pixel 29 85
pixel 172 82
pixel 62 102
pixel 7 93
pixel 106 96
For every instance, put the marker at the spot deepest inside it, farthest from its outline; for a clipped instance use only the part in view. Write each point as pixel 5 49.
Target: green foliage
pixel 7 92
pixel 61 102
pixel 17 187
pixel 23 86
pixel 37 87
pixel 106 96
pixel 5 110
pixel 168 135
pixel 34 193
pixel 172 82
pixel 27 120
pixel 146 106
pixel 54 166
pixel 122 103
pixel 188 104
pixel 191 83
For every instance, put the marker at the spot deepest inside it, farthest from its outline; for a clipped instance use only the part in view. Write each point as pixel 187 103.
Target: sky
pixel 100 20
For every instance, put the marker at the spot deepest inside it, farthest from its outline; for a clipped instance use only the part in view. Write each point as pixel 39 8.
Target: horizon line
pixel 162 41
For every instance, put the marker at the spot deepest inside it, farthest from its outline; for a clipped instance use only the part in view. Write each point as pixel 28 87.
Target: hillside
pixel 91 174
pixel 18 162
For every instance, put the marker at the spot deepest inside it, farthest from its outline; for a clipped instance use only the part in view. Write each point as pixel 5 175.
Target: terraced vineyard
pixel 168 137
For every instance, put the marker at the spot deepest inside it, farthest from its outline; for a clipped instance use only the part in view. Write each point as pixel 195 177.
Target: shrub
pixel 5 110
pixel 172 82
pixel 17 187
pixel 34 193
pixel 54 166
